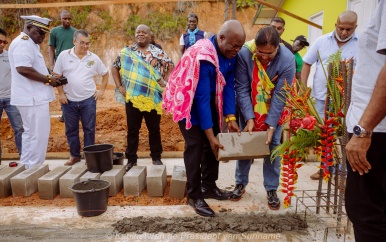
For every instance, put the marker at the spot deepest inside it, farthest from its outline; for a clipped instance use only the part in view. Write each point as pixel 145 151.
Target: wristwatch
pixel 360 132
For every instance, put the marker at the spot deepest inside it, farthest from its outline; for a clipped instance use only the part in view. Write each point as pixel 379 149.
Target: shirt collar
pixel 332 35
pixel 72 52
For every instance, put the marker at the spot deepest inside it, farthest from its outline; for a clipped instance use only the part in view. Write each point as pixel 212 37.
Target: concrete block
pixel 115 177
pixel 69 179
pixel 134 181
pixel 90 175
pixel 5 175
pixel 156 181
pixel 48 185
pixel 245 146
pixel 25 183
pixel 178 182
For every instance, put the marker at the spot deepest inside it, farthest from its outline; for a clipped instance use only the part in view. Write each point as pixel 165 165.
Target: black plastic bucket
pixel 91 197
pixel 118 158
pixel 99 158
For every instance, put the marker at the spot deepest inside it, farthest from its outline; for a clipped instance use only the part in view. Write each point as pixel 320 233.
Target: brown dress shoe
pixel 72 161
pixel 315 176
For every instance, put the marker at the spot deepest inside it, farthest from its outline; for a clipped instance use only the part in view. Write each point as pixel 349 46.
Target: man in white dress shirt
pixel 32 89
pixel 342 38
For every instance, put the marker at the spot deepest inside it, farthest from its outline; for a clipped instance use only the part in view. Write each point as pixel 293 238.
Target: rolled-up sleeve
pixel 312 54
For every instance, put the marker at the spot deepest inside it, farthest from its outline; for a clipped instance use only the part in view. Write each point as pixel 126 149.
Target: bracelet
pixel 49 80
pixel 271 127
pixel 230 119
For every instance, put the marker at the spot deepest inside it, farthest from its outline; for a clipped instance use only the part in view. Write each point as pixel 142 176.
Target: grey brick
pixel 90 175
pixel 26 182
pixel 5 175
pixel 115 177
pixel 69 179
pixel 156 181
pixel 178 182
pixel 134 181
pixel 48 185
pixel 245 146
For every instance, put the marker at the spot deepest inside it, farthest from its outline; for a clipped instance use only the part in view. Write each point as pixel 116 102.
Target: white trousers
pixel 36 124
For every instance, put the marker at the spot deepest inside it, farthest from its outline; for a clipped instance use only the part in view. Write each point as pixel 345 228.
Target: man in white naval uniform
pixel 32 89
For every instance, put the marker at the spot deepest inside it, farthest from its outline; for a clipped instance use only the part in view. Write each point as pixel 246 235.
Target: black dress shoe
pixel 237 192
pixel 201 207
pixel 216 193
pixel 130 165
pixel 157 162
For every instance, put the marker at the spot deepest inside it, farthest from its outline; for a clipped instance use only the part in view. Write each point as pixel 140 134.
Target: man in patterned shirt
pixel 139 73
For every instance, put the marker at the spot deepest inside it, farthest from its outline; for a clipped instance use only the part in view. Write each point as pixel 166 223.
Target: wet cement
pixel 230 223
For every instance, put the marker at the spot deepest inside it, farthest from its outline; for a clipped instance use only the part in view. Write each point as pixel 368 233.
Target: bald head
pixel 232 27
pixel 230 38
pixel 348 17
pixel 345 26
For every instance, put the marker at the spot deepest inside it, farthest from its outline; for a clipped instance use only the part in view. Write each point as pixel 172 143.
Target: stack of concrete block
pixel 26 183
pixel 115 177
pixel 48 185
pixel 5 176
pixel 134 181
pixel 178 182
pixel 156 181
pixel 69 179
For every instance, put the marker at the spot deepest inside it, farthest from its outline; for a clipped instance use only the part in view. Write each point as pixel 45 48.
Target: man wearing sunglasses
pixel 32 89
pixel 263 65
pixel 5 94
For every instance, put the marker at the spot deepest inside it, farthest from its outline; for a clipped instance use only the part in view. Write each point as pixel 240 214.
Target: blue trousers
pixel 85 111
pixel 15 120
pixel 271 169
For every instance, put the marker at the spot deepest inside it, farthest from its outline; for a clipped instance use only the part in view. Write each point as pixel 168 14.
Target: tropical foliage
pixel 308 130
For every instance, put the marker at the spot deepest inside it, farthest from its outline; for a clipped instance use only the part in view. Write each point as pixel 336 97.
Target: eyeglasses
pixel 259 53
pixel 82 43
pixel 3 42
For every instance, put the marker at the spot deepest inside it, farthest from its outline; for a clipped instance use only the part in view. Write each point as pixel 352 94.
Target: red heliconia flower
pixel 287 201
pixel 295 124
pixel 341 114
pixel 308 122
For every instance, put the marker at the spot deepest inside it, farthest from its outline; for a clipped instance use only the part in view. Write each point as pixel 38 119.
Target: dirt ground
pixel 110 128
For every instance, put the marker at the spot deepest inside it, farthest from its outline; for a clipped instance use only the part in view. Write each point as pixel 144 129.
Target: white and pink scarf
pixel 182 84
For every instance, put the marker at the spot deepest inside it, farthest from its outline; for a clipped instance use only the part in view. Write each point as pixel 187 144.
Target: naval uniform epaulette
pixel 25 37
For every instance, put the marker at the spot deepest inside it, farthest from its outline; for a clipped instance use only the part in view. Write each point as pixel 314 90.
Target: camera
pixel 63 80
